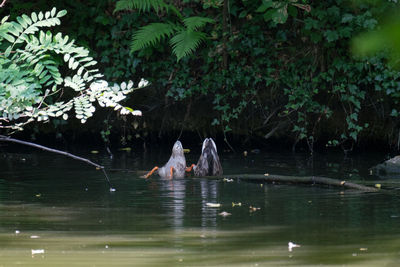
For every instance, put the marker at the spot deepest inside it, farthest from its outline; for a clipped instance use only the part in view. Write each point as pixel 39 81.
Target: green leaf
pixel 67 57
pixel 264 6
pixel 15 29
pixel 331 36
pixel 34 17
pixel 8 37
pixel 186 42
pixel 151 34
pixel 353 135
pixel 347 18
pixel 3 20
pixel 27 19
pixel 61 13
pixel 22 22
pixel 194 23
pixel 142 5
pixel 8 51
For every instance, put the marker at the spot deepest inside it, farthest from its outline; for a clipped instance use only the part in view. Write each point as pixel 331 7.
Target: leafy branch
pixel 30 68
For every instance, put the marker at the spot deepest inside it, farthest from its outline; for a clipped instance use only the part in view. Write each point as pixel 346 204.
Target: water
pixel 56 211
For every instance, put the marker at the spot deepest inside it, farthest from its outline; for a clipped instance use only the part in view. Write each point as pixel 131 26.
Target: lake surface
pixel 55 211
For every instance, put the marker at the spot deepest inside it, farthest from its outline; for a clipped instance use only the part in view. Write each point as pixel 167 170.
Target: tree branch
pixel 272 178
pixel 4 138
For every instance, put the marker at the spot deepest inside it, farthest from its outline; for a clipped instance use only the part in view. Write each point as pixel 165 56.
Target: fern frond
pixel 151 34
pixel 194 23
pixel 146 6
pixel 141 5
pixel 186 42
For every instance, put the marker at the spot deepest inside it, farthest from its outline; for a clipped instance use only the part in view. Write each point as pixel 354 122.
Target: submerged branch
pixel 271 178
pixel 13 140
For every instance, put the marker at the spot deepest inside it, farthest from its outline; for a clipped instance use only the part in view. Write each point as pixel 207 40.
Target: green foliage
pixel 185 43
pixel 297 73
pixel 32 85
pixel 385 38
pixel 186 36
pixel 293 80
pixel 279 11
pixel 145 6
pixel 151 34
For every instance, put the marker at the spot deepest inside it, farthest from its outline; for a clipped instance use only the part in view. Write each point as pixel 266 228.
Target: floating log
pixel 272 178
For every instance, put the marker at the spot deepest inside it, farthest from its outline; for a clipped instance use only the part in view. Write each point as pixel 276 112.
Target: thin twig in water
pixel 9 139
pixel 229 145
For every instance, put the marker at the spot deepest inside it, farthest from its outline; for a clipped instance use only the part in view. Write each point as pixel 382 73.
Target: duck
pixel 208 163
pixel 175 166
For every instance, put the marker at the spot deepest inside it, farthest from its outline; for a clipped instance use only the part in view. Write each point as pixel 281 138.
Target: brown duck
pixel 176 165
pixel 208 164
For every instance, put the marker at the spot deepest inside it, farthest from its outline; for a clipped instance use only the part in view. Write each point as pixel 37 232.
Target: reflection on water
pixel 59 212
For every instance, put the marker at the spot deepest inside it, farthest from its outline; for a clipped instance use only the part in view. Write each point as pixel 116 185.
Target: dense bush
pixel 266 69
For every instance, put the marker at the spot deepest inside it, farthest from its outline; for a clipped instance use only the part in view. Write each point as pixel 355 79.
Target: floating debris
pixel 186 150
pixel 94 152
pixel 112 189
pixel 125 149
pixel 224 214
pixel 266 174
pixel 213 205
pixel 253 209
pixel 227 180
pixel 236 204
pixel 363 249
pixel 17 232
pixel 37 251
pixel 292 245
pixel 245 153
pixel 35 236
pixel 378 186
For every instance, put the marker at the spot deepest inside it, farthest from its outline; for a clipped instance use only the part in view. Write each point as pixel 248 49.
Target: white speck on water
pixel 37 251
pixel 292 245
pixel 213 205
